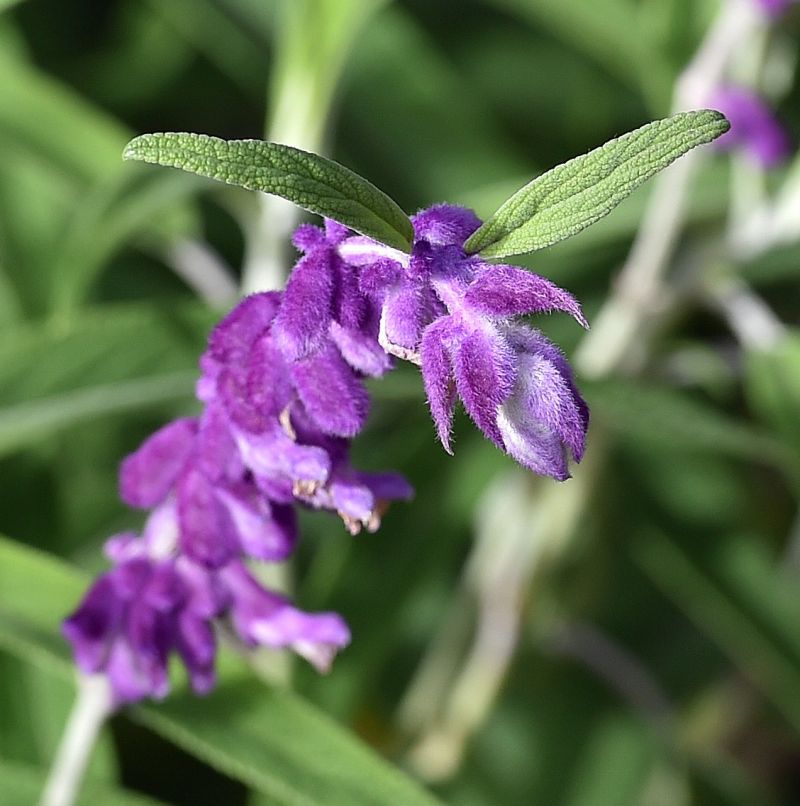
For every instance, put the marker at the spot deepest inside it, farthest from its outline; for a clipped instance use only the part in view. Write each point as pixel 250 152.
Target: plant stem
pixel 92 707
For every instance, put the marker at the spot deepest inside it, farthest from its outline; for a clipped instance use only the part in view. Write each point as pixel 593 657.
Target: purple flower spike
pixel 754 127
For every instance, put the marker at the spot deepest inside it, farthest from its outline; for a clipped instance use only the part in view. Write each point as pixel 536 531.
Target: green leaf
pixel 269 739
pixel 24 423
pixel 668 419
pixel 23 783
pixel 314 183
pixel 570 197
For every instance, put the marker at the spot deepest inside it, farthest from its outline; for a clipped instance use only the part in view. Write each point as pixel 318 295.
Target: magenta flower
pixel 754 127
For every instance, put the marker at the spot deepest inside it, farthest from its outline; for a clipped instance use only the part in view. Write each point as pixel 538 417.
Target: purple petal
pixel 407 311
pixel 361 350
pixel 232 338
pixel 130 577
pixel 333 396
pixel 207 534
pixel 265 532
pixel 216 455
pixel 527 340
pixel 150 636
pixel 485 372
pixel 541 417
pixel 445 224
pixel 148 474
pixel 437 375
pixel 754 126
pixel 354 502
pixel 129 682
pixel 122 547
pixel 166 590
pixel 274 453
pixel 91 628
pixel 261 617
pixel 335 232
pixel 308 237
pixel 258 390
pixel 194 640
pixel 305 313
pixel 387 486
pixel 511 291
pixel 208 596
pixel 350 306
pixel 774 8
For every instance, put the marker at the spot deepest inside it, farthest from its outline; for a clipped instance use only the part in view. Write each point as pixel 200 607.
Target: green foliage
pixel 313 182
pixel 570 197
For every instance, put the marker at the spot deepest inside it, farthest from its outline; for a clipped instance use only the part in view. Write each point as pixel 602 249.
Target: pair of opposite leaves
pixel 552 207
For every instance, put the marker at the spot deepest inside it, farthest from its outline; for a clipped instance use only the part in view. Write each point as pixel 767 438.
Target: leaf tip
pixel 133 150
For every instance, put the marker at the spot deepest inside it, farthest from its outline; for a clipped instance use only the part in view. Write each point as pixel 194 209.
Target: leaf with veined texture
pixel 571 196
pixel 312 182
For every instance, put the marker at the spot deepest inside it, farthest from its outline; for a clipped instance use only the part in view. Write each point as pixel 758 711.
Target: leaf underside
pixel 572 196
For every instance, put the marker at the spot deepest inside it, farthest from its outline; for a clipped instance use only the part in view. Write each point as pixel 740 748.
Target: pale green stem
pixel 91 708
pixel 313 40
pixel 517 533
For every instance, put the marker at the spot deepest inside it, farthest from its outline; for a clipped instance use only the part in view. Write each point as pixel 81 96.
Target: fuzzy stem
pixel 92 707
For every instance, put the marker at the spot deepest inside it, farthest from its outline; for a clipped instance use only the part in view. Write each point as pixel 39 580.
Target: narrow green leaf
pixel 270 739
pixel 314 183
pixel 25 423
pixel 674 420
pixel 570 197
pixel 22 785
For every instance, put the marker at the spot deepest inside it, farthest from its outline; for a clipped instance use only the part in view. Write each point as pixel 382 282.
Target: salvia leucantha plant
pixel 282 389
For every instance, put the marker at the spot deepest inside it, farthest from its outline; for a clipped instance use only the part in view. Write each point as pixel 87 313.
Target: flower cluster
pixel 282 385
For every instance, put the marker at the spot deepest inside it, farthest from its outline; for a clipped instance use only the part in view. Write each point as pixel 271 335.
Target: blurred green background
pixel 632 637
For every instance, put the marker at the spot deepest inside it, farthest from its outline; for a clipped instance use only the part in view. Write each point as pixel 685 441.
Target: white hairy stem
pixel 92 707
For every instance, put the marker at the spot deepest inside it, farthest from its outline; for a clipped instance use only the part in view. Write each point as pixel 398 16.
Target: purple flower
pixel 754 127
pixel 157 601
pixel 282 388
pixel 456 316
